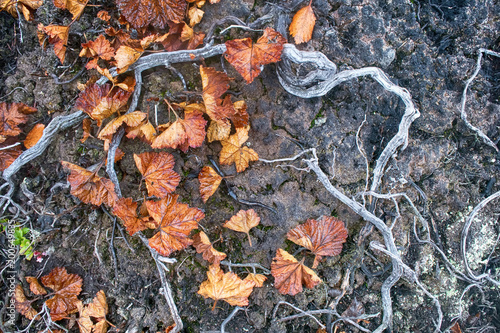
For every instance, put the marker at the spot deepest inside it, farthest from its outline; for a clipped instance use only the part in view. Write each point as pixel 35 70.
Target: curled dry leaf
pixel 66 288
pixel 11 116
pixel 232 152
pixel 141 13
pixel 240 116
pixel 258 279
pixel 75 7
pixel 247 57
pixel 26 7
pixel 157 171
pixel 181 37
pixel 175 221
pixel 100 48
pixel 35 286
pixel 34 135
pixel 323 237
pixel 209 182
pixel 104 15
pixel 98 310
pixel 58 36
pixel 227 287
pixel 86 127
pixel 132 119
pixel 145 131
pixel 126 210
pixel 218 131
pixel 126 56
pixel 23 305
pixel 215 84
pixel 202 244
pixel 289 274
pixel 303 24
pixel 243 221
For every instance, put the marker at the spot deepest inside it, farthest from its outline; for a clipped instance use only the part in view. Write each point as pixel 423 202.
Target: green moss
pixel 316 117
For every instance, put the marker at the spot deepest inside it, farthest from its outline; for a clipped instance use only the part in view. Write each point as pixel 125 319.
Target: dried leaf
pixel 35 287
pixel 34 135
pixel 173 41
pixel 141 13
pixel 100 102
pixel 23 305
pixel 227 287
pixel 218 131
pixel 232 152
pixel 209 182
pixel 132 119
pixel 126 56
pixel 86 126
pixel 98 310
pixel 144 131
pixel 243 221
pixel 323 237
pixel 356 309
pixel 66 288
pixel 101 48
pixel 8 156
pixel 195 15
pixel 203 245
pixel 258 279
pixel 176 221
pixel 104 15
pixel 157 171
pixel 455 328
pixel 289 274
pixel 11 116
pixel 126 210
pixel 215 84
pixel 75 7
pixel 240 116
pixel 27 7
pixel 247 57
pixel 303 24
pixel 58 36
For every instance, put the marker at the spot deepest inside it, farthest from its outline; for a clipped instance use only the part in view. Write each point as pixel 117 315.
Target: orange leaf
pixel 23 305
pixel 86 126
pixel 35 287
pixel 202 245
pixel 209 182
pixel 132 119
pixel 227 287
pixel 455 328
pixel 195 15
pixel 157 171
pixel 215 85
pixel 66 288
pixel 100 102
pixel 247 57
pixel 75 7
pixel 8 156
pixel 11 116
pixel 34 135
pixel 258 279
pixel 144 131
pixel 180 37
pixel 104 15
pixel 240 117
pixel 58 36
pixel 289 274
pixel 98 310
pixel 101 48
pixel 175 221
pixel 126 210
pixel 141 13
pixel 243 221
pixel 126 56
pixel 232 152
pixel 323 237
pixel 27 7
pixel 303 24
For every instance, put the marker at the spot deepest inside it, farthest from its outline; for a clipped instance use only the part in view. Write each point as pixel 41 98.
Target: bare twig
pixel 305 313
pixel 249 265
pixel 228 319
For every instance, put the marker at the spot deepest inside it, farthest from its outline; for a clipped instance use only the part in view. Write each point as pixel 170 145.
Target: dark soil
pixel 427 47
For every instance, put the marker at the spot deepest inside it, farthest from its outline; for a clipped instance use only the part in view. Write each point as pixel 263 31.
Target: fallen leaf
pixel 103 15
pixel 209 182
pixel 232 152
pixel 58 36
pixel 173 41
pixel 215 84
pixel 202 245
pixel 34 135
pixel 303 24
pixel 247 57
pixel 35 286
pixel 240 116
pixel 355 309
pixel 126 56
pixel 11 116
pixel 144 131
pixel 8 156
pixel 75 7
pixel 226 286
pixel 100 47
pixel 243 221
pixel 26 7
pixel 218 131
pixel 289 274
pixel 131 119
pixel 175 221
pixel 86 126
pixel 126 210
pixel 195 15
pixel 66 288
pixel 141 13
pixel 455 328
pixel 258 279
pixel 98 310
pixel 323 237
pixel 157 172
pixel 23 305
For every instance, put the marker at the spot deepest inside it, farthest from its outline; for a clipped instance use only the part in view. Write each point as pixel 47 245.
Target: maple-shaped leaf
pixel 183 133
pixel 89 187
pixel 35 286
pixel 11 116
pixel 175 221
pixel 202 244
pixel 66 288
pixel 258 279
pixel 94 312
pixel 157 171
pixel 180 36
pixel 126 210
pixel 323 237
pixel 100 102
pixel 289 274
pixel 215 84
pixel 23 305
pixel 8 155
pixel 58 36
pixel 303 24
pixel 226 286
pixel 75 7
pixel 209 182
pixel 34 135
pixel 218 131
pixel 141 13
pixel 248 57
pixel 131 119
pixel 145 131
pixel 240 116
pixel 232 152
pixel 26 7
pixel 104 15
pixel 100 48
pixel 243 221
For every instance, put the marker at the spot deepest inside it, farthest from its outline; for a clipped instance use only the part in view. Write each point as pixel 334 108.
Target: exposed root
pixel 252 265
pixel 228 319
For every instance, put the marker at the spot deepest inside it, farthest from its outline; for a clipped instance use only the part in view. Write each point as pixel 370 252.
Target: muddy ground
pixel 427 47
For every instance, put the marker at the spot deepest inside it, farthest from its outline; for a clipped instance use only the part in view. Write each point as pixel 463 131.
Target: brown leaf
pixel 247 57
pixel 144 131
pixel 8 156
pixel 258 279
pixel 157 171
pixel 100 102
pixel 176 221
pixel 215 84
pixel 11 116
pixel 104 15
pixel 176 38
pixel 227 287
pixel 141 13
pixel 126 210
pixel 243 221
pixel 23 305
pixel 86 126
pixel 240 117
pixel 195 15
pixel 323 237
pixel 289 274
pixel 126 56
pixel 58 36
pixel 303 24
pixel 132 119
pixel 356 309
pixel 66 288
pixel 101 48
pixel 202 245
pixel 209 182
pixel 35 287
pixel 75 7
pixel 218 131
pixel 232 152
pixel 34 135
pixel 98 310
pixel 26 7
pixel 455 328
